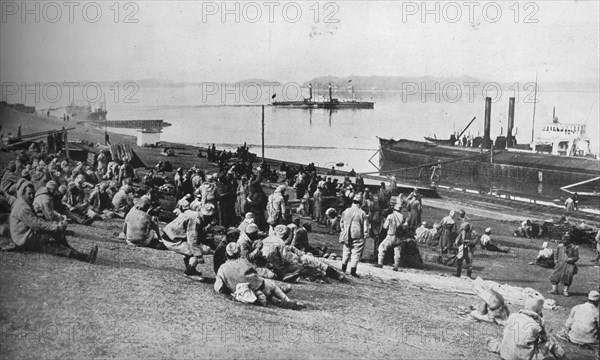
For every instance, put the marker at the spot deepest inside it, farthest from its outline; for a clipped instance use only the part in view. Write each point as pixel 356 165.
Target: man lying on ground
pixel 288 263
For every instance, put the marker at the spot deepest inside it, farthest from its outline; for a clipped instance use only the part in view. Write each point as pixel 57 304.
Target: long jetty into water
pixel 132 124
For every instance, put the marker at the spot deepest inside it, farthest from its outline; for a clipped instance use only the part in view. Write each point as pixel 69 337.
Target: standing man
pixel 436 174
pixel 415 211
pixel 355 229
pixel 569 205
pixel 448 232
pixel 393 224
pixel 565 257
pixel 208 190
pixel 597 247
pixel 318 206
pixel 242 194
pixel 276 207
pixel 383 198
pixel 463 244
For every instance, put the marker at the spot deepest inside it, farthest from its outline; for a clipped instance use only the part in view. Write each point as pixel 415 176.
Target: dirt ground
pixel 136 303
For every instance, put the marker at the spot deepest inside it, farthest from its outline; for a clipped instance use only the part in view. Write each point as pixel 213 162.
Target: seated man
pixel 251 246
pixel 410 256
pixel 233 235
pixel 299 239
pixel 188 235
pixel 11 180
pixel 237 270
pixel 545 257
pixel 197 202
pixel 526 229
pixel 272 250
pixel 524 335
pixel 43 203
pixel 421 233
pixel 76 205
pixel 122 201
pixel 248 219
pixel 32 233
pixel 486 243
pixel 333 221
pixel 220 257
pixel 99 203
pixel 138 227
pixel 183 204
pixel 581 327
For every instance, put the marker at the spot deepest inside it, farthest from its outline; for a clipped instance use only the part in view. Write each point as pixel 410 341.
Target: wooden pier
pixel 132 124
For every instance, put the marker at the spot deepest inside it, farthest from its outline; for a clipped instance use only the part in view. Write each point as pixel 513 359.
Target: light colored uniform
pixel 185 234
pixel 392 223
pixel 138 228
pixel 355 227
pixel 583 324
pixel 524 337
pixel 241 271
pixel 30 232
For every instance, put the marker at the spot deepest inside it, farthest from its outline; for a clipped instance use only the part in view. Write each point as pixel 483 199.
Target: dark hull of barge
pixel 529 175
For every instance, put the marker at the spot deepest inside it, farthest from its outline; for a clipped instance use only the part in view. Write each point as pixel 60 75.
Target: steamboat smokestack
pixel 309 92
pixel 510 140
pixel 330 97
pixel 487 141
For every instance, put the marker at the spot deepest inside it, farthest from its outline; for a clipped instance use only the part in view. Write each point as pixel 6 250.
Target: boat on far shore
pixel 86 112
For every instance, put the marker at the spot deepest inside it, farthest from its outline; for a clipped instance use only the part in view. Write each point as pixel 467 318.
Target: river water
pixel 344 136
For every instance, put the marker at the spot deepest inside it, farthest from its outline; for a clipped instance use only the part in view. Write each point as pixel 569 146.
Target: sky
pixel 503 41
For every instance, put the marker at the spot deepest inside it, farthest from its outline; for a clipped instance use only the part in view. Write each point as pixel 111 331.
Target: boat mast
pixel 534 103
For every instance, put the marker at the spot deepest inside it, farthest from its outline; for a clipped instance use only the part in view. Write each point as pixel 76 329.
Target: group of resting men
pixel 248 263
pixel 245 255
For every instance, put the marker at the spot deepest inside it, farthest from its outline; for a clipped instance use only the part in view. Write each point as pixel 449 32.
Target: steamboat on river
pixel 559 161
pixel 330 102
